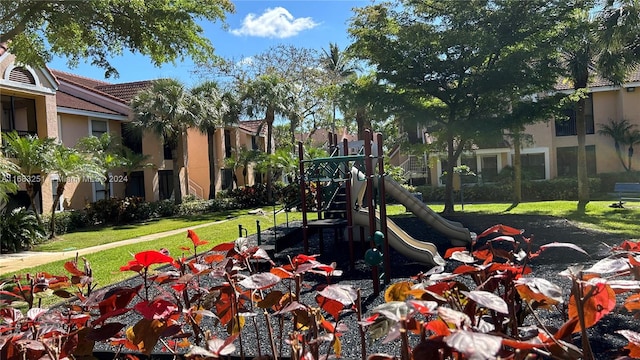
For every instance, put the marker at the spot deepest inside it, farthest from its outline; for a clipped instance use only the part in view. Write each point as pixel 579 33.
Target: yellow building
pixel 50 103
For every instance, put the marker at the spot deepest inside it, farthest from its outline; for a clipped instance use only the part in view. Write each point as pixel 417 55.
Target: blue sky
pixel 254 27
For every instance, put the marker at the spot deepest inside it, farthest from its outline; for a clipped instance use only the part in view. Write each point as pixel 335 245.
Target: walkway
pixel 26 259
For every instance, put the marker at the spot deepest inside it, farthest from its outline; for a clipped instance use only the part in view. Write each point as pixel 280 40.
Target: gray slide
pixel 420 251
pixel 458 234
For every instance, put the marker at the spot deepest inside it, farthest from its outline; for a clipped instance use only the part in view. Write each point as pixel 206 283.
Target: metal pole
pixel 383 211
pixel 303 197
pixel 239 230
pixel 372 211
pixel 259 233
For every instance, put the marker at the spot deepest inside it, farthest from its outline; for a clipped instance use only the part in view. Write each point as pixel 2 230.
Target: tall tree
pixel 209 109
pixel 164 110
pixel 164 30
pixel 31 154
pixel 269 95
pixel 70 165
pixel 338 67
pixel 464 58
pixel 363 98
pixel 601 38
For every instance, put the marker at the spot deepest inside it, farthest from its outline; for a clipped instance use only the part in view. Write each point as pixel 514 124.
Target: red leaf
pixel 332 307
pixel 450 251
pixel 344 294
pixel 438 327
pixel 150 257
pixel 634 342
pixel 475 345
pixel 213 258
pixel 132 265
pixel 104 332
pixel 502 229
pixel 599 304
pixel 156 310
pixel 282 273
pixel 117 299
pixel 72 268
pixel 195 239
pixel 224 246
pixel 565 245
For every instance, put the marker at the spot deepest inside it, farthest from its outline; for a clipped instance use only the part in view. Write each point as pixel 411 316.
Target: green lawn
pixel 599 216
pixel 103 235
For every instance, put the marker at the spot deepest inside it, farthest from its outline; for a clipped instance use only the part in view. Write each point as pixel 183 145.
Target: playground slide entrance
pixel 458 234
pixel 421 251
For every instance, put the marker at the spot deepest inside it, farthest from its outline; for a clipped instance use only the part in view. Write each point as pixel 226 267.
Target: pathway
pixel 26 259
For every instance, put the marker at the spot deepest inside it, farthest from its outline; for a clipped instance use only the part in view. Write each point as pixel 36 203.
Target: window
pixel 567 159
pixel 254 143
pixel 568 127
pixel 533 166
pixel 227 179
pixel 165 184
pixel 227 144
pixel 18 114
pixel 489 168
pixel 167 150
pixel 99 127
pixel 99 192
pixel 54 191
pixel 135 184
pixel 131 138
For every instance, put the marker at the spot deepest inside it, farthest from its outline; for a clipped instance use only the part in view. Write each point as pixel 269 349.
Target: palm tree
pixel 7 186
pixel 209 108
pixel 106 152
pixel 606 44
pixel 70 165
pixel 165 110
pixel 31 153
pixel 632 137
pixel 268 94
pixel 617 130
pixel 338 66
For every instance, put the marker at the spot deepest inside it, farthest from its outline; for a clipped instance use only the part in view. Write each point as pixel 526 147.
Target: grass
pixel 598 215
pixel 97 236
pixel 106 264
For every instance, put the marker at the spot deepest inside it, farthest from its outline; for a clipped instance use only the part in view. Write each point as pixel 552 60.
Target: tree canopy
pixel 458 62
pixel 164 30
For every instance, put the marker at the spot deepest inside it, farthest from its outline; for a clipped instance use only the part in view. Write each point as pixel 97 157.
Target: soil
pixel 606 344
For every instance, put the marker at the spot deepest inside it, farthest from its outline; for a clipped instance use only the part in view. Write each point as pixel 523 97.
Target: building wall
pixel 198 164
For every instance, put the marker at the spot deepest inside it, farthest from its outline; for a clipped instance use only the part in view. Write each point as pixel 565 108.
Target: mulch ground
pixel 544 229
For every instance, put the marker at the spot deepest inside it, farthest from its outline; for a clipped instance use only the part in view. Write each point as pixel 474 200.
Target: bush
pixel 206 206
pixel 19 230
pixel 249 196
pixel 609 180
pixel 556 189
pixel 68 221
pixel 129 209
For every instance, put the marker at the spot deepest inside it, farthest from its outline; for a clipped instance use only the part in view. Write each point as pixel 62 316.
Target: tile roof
pixel 125 91
pixel 122 92
pixel 252 126
pixel 598 81
pixel 69 101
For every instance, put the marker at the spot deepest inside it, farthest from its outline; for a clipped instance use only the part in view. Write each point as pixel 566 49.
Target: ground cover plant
pixel 489 304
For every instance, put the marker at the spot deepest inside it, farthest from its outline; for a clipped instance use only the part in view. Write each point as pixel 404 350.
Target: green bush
pixel 249 196
pixel 129 209
pixel 609 180
pixel 68 221
pixel 19 230
pixel 196 207
pixel 556 189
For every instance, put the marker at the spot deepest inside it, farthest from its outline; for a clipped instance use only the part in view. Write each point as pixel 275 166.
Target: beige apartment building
pixel 552 151
pixel 67 107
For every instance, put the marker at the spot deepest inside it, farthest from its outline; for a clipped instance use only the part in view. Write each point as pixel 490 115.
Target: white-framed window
pixel 98 127
pixel 54 192
pixel 99 192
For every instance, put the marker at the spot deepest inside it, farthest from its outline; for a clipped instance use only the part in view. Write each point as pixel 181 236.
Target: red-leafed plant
pixel 203 305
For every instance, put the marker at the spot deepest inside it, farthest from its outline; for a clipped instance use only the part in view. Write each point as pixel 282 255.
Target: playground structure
pixel 342 202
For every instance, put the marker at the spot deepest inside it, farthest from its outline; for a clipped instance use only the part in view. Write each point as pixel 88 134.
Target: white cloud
pixel 274 23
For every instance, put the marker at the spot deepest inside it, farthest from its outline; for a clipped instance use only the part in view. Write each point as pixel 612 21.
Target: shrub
pixel 206 206
pixel 19 230
pixel 69 220
pixel 556 189
pixel 249 196
pixel 129 209
pixel 609 180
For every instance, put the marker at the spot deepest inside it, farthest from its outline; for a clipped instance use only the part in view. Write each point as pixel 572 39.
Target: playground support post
pixel 303 198
pixel 372 211
pixel 383 211
pixel 349 205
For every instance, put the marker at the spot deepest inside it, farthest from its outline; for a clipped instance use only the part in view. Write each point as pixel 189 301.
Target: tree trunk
pixel 270 117
pixel 583 177
pixel 517 169
pixel 448 185
pixel 32 199
pixel 211 148
pixel 361 121
pixel 178 153
pixel 56 200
